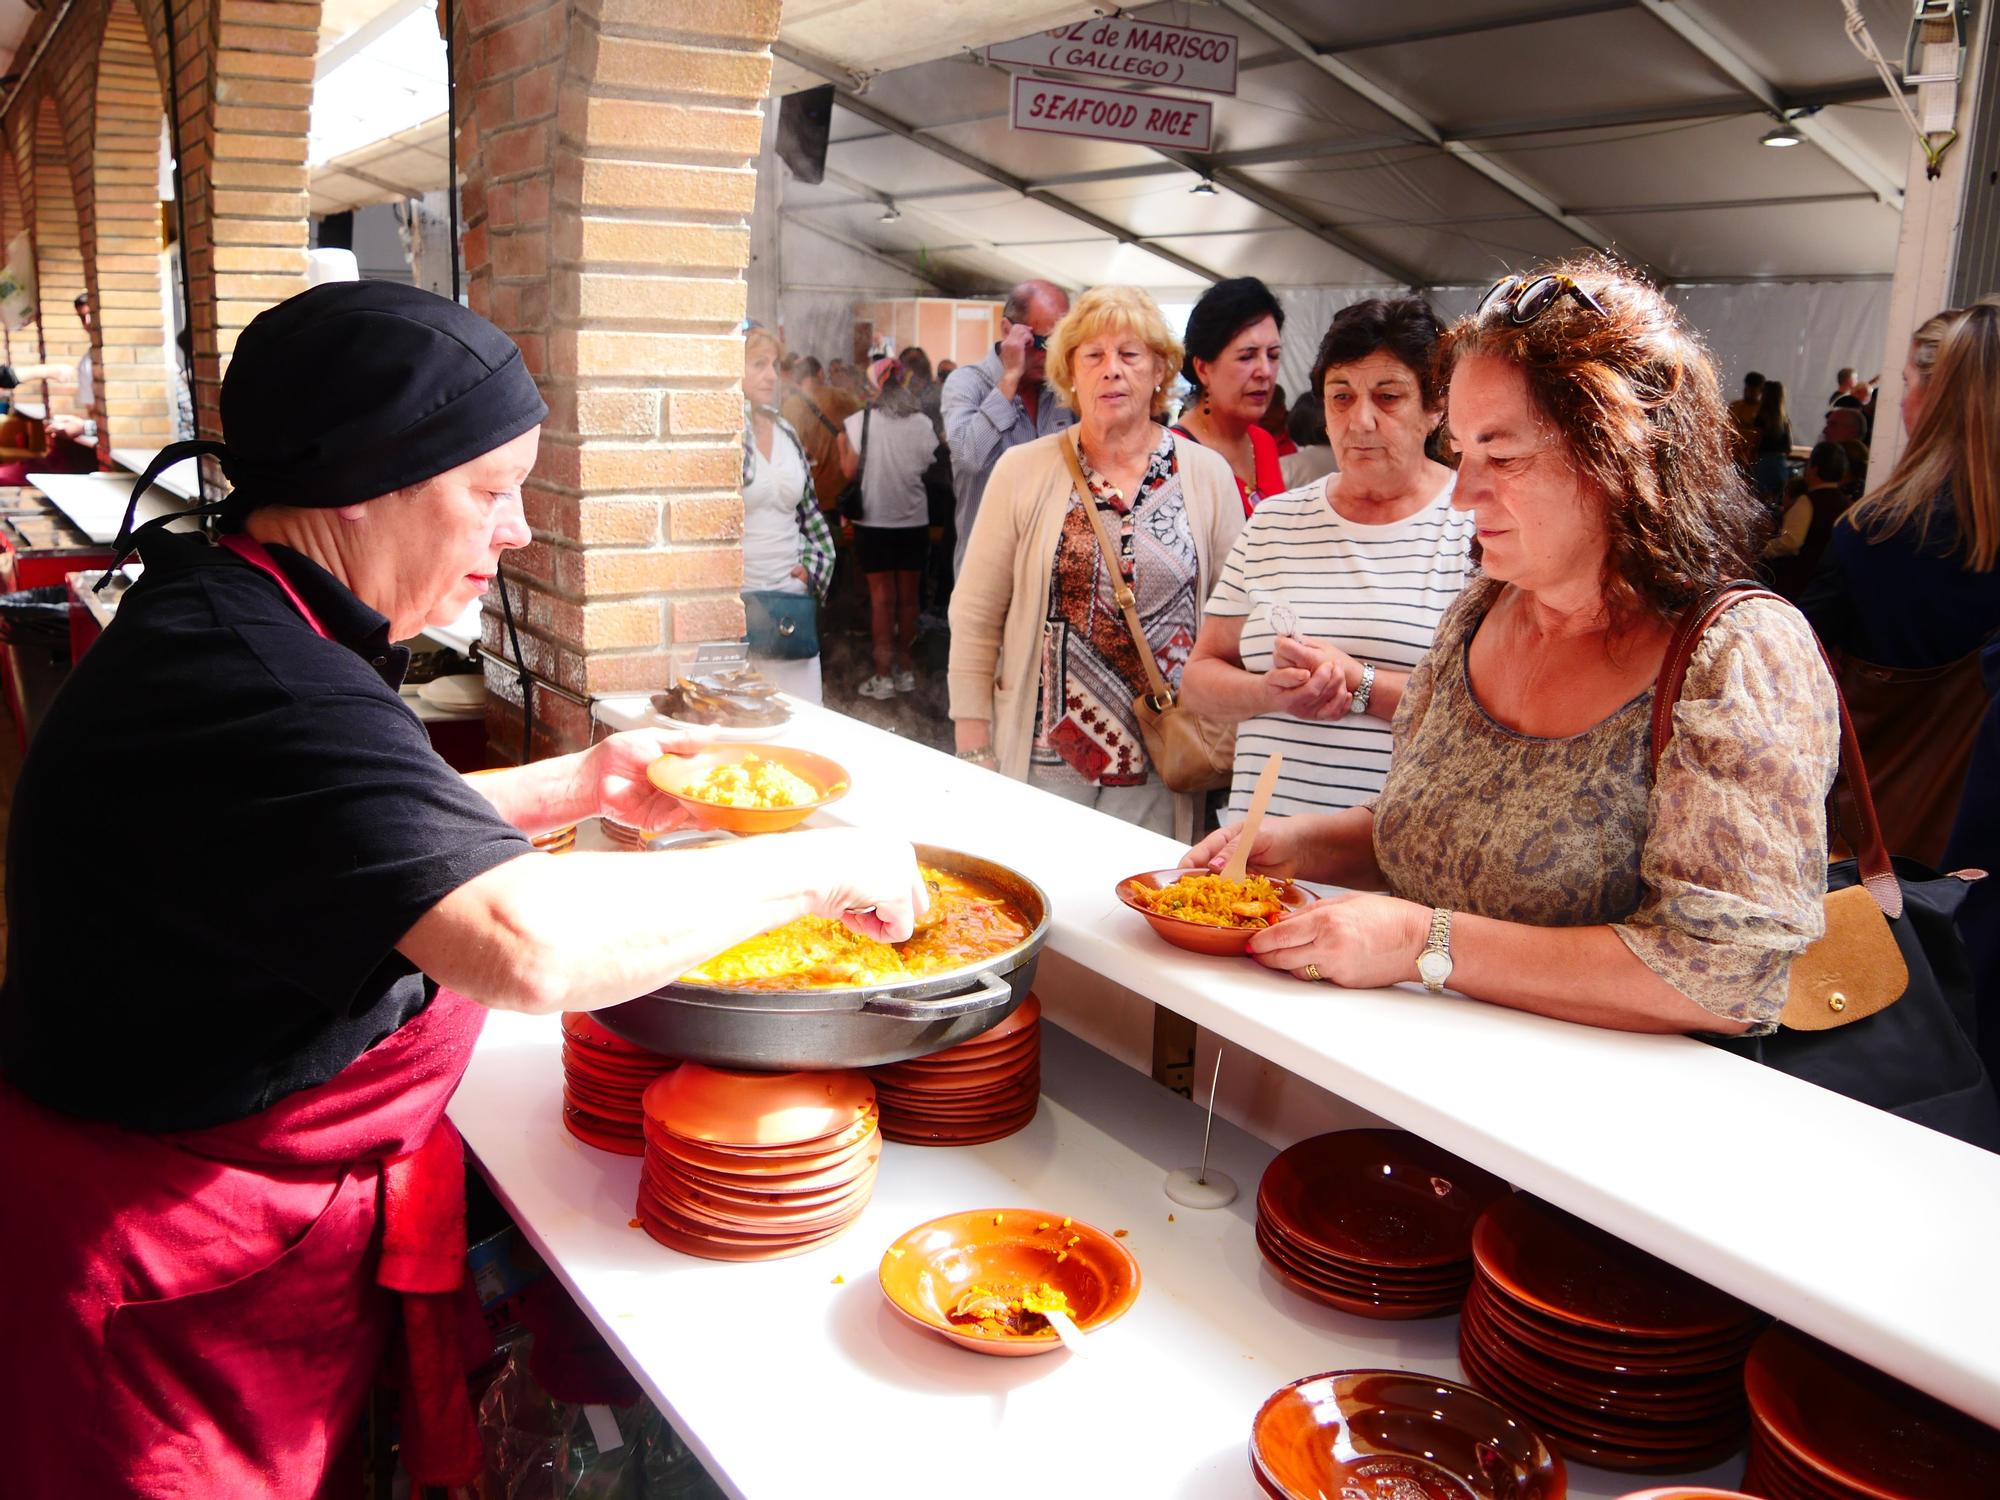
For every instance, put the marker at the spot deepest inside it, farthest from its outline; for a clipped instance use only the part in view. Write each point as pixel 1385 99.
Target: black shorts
pixel 891 549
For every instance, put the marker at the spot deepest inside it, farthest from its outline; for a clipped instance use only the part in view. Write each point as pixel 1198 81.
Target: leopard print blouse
pixel 1713 874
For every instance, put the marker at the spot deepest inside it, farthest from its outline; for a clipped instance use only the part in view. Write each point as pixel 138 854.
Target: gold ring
pixel 1312 972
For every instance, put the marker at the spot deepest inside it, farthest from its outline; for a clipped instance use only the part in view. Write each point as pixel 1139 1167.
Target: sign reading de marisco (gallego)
pixel 1132 50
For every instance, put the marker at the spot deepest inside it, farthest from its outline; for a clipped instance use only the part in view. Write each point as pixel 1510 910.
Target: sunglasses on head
pixel 1525 298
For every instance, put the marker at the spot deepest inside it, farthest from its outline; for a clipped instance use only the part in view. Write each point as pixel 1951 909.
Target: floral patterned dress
pixel 1712 872
pixel 1085 730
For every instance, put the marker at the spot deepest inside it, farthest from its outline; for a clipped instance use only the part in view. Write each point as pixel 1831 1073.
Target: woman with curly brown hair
pixel 1523 847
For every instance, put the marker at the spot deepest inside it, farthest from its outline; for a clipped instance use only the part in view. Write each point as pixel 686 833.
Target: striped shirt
pixel 1376 592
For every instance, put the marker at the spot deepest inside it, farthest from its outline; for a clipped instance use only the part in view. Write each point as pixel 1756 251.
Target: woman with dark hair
pixel 1772 430
pixel 1332 592
pixel 1525 849
pixel 1232 370
pixel 889 445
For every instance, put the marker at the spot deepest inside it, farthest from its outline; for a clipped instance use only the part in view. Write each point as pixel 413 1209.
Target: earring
pixel 1204 403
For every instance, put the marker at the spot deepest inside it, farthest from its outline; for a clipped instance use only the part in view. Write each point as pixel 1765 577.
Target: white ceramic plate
pixel 461 694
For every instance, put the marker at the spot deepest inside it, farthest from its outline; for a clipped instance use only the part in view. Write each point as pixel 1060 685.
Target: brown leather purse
pixel 1188 752
pixel 1856 968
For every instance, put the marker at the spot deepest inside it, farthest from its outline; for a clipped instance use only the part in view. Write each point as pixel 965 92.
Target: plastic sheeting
pixel 1800 332
pixel 824 279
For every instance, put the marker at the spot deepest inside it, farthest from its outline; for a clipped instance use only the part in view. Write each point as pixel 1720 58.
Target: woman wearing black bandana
pixel 226 1164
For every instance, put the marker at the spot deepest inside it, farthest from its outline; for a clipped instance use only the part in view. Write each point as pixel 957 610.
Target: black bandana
pixel 352 390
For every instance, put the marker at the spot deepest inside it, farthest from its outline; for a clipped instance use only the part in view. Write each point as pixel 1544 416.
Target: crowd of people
pixel 1441 585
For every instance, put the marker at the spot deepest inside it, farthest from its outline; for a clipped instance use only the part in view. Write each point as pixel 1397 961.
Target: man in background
pixel 1002 401
pixel 1743 418
pixel 1847 426
pixel 71 437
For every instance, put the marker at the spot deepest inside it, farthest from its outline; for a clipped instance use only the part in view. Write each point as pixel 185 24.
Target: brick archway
pixel 61 268
pixel 135 381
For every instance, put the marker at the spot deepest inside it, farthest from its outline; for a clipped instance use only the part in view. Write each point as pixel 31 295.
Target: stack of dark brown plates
pixel 1619 1359
pixel 978 1091
pixel 753 1166
pixel 1824 1426
pixel 604 1077
pixel 1375 1222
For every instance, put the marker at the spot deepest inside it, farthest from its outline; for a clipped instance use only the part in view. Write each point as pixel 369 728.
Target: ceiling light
pixel 1782 135
pixel 890 213
pixel 1204 187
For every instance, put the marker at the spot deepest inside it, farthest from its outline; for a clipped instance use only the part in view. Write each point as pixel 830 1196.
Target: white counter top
pixel 794 1378
pixel 182 479
pixel 95 503
pixel 1871 1233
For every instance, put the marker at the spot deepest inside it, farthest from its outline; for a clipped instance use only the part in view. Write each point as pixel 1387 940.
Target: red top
pixel 1264 454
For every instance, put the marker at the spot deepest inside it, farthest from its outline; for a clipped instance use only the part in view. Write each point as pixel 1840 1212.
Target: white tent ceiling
pixel 1375 144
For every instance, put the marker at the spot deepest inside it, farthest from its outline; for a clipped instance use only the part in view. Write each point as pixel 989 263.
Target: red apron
pixel 201 1314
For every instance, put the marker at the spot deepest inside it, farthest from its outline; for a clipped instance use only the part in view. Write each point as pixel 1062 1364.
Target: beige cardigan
pixel 1001 599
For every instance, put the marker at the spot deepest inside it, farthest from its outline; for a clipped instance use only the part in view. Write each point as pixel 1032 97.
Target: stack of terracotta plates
pixel 1824 1426
pixel 556 840
pixel 752 1166
pixel 1375 1222
pixel 1619 1359
pixel 603 1079
pixel 976 1092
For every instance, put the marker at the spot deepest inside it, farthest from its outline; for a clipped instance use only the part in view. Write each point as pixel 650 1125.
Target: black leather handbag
pixel 850 503
pixel 1882 1007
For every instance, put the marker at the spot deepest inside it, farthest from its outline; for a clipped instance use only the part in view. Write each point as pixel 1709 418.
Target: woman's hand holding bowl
pixel 614 774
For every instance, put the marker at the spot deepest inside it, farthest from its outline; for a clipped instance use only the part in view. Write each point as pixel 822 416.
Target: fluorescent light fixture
pixel 1205 188
pixel 1782 135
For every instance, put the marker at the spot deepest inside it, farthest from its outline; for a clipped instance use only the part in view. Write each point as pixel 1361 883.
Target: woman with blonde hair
pixel 787 549
pixel 1910 591
pixel 1044 669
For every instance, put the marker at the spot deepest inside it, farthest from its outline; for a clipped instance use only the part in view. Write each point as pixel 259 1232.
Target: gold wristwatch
pixel 1434 963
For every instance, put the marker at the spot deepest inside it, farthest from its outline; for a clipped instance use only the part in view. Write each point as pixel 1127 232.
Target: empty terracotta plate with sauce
pixel 1199 937
pixel 679 776
pixel 931 1271
pixel 1397 1433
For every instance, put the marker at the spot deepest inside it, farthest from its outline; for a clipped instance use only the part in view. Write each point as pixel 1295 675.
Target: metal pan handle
pixel 990 988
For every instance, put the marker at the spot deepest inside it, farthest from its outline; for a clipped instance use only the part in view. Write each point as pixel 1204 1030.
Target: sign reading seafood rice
pixel 1108 115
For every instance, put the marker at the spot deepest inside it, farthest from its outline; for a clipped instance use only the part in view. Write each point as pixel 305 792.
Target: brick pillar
pixel 607 153
pixel 134 381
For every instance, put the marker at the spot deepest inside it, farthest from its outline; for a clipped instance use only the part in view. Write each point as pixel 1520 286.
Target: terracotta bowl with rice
pixel 1204 913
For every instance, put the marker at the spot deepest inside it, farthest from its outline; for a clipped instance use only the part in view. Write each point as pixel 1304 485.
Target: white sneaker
pixel 878 687
pixel 906 682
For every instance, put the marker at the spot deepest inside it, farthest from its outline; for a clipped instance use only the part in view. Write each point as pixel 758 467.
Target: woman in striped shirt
pixel 1333 590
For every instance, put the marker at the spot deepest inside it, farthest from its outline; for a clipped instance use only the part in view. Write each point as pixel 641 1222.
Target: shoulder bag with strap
pixel 1881 1007
pixel 1190 753
pixel 851 504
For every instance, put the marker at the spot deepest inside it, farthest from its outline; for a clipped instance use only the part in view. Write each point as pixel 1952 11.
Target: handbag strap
pixel 1159 691
pixel 861 458
pixel 1871 855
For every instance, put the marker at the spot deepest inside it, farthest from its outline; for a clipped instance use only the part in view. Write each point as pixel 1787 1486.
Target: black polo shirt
pixel 223 827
